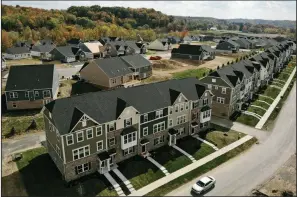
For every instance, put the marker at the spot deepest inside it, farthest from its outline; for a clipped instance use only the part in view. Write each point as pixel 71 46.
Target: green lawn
pixel 199 73
pixel 170 158
pixel 261 104
pixel 41 178
pixel 194 147
pixel 221 136
pixel 21 120
pixel 248 120
pixel 139 171
pixel 272 92
pixel 268 100
pixel 168 187
pixel 256 110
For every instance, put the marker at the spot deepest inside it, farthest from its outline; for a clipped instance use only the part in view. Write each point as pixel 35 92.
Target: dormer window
pixel 84 123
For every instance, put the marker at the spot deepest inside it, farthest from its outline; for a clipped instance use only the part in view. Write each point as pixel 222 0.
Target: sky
pixel 269 10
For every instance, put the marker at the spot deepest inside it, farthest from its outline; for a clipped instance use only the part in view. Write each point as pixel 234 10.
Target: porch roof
pixel 103 156
pixel 144 141
pixel 205 108
pixel 172 131
pixel 128 130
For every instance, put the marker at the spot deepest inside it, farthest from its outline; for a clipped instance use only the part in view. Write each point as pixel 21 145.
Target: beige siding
pixel 94 75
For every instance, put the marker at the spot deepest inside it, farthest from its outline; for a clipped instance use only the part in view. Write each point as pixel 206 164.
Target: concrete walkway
pixel 259 107
pixel 264 102
pixel 261 95
pixel 162 168
pixel 275 102
pixel 236 126
pixel 184 152
pixel 277 83
pixel 252 114
pixel 188 168
pixel 274 86
pixel 206 142
pixel 124 179
pixel 115 185
pixel 279 80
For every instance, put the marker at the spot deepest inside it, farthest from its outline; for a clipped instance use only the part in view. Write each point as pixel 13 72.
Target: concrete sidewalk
pixel 188 168
pixel 265 117
pixel 236 126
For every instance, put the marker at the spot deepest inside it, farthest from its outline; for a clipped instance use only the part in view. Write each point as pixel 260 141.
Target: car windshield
pixel 200 183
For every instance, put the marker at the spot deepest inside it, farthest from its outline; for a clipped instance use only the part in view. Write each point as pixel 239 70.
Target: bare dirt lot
pixel 283 181
pixel 34 61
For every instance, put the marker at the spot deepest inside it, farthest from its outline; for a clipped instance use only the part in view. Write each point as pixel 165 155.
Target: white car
pixel 203 184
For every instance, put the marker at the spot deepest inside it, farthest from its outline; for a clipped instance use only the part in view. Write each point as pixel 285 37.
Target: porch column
pixel 108 164
pixel 100 164
pixel 174 139
pixel 170 136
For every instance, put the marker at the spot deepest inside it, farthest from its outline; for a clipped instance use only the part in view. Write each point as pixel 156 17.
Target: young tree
pixel 218 67
pixel 223 65
pixel 228 63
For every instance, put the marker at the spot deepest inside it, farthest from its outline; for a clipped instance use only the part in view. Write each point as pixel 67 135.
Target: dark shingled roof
pixel 28 77
pixel 113 67
pixel 43 48
pixel 205 108
pixel 172 131
pixel 136 61
pixel 102 106
pixel 67 51
pixel 227 73
pixel 188 49
pixel 103 156
pixel 17 50
pixel 144 141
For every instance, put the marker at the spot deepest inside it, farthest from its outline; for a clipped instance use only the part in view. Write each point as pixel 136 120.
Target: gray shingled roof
pixel 113 67
pixel 17 50
pixel 136 61
pixel 102 106
pixel 43 48
pixel 28 77
pixel 67 51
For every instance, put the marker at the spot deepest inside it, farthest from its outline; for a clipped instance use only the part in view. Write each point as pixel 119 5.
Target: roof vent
pixel 213 80
pixel 118 70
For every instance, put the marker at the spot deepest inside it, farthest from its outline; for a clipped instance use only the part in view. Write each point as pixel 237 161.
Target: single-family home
pixel 160 45
pixel 15 53
pixel 195 38
pixel 141 67
pixel 42 51
pixel 65 54
pixel 29 44
pixel 228 46
pixel 243 43
pixel 186 40
pixel 31 86
pixel 117 48
pixel 193 52
pixel 93 132
pixel 142 47
pixel 74 42
pixel 107 73
pixel 90 50
pixel 174 39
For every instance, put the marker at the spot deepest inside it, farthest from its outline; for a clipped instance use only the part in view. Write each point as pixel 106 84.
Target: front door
pixel 31 95
pixel 112 157
pixel 143 148
pixel 172 139
pixel 192 130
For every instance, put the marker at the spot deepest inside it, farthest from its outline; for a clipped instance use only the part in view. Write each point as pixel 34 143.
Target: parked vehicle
pixel 203 184
pixel 155 58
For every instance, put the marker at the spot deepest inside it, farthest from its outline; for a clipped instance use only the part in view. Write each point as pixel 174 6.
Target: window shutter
pixel 115 126
pixel 141 118
pixel 76 171
pixel 107 127
pixel 125 123
pixel 89 165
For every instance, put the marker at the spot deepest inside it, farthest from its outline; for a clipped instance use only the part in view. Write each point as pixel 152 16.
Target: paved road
pixel 240 175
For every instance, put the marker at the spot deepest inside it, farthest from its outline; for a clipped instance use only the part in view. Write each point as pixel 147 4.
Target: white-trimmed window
pixel 176 108
pixel 27 94
pixel 69 139
pixel 216 87
pixel 181 119
pixel 99 145
pixel 111 141
pixel 129 150
pixel 220 100
pixel 159 140
pixel 129 137
pixel 223 90
pixel 203 124
pixel 195 104
pixel 205 101
pixel 84 123
pixel 209 86
pixel 182 107
pixel 80 136
pixel 145 131
pixel 98 130
pixel 170 123
pixel 81 152
pixel 13 95
pixel 206 114
pixel 127 122
pixel 90 133
pixel 170 110
pixel 111 127
pixel 46 93
pixel 181 131
pixel 159 113
pixel 145 118
pixel 187 105
pixel 36 93
pixel 159 127
pixel 82 168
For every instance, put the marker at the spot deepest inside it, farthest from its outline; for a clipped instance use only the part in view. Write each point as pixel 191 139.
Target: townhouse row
pixel 94 131
pixel 237 83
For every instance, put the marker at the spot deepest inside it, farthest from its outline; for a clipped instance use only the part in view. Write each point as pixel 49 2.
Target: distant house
pixel 91 50
pixel 193 52
pixel 64 54
pixel 46 42
pixel 105 40
pixel 186 40
pixel 174 39
pixel 141 67
pixel 31 86
pixel 206 38
pixel 195 38
pixel 3 63
pixel 227 47
pixel 118 48
pixel 107 73
pixel 160 45
pixel 74 42
pixel 213 29
pixel 142 47
pixel 243 43
pixel 15 53
pixel 42 51
pixel 28 44
pixel 132 44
